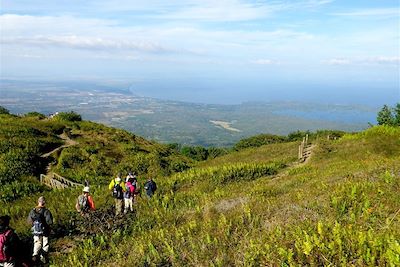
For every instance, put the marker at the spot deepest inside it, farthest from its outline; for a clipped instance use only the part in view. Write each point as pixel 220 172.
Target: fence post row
pixel 302 148
pixel 57 181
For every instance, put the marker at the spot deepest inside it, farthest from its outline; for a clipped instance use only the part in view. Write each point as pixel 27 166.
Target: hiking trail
pixel 51 178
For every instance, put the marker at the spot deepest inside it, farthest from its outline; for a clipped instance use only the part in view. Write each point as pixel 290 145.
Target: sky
pixel 214 51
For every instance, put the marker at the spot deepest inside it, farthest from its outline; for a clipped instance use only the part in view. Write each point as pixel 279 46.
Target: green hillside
pixel 253 207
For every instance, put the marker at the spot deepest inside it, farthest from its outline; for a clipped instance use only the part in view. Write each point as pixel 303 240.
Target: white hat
pixel 86 189
pixel 41 200
pixel 118 179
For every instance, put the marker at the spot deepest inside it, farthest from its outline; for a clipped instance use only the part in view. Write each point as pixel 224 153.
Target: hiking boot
pixel 35 259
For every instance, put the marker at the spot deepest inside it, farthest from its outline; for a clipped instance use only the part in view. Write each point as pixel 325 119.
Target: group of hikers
pixel 125 192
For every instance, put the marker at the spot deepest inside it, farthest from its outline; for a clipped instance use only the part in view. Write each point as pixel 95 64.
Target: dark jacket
pixel 45 217
pixel 150 186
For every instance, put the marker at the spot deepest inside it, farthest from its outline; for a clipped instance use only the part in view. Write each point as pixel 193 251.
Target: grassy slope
pixel 101 152
pixel 284 152
pixel 338 209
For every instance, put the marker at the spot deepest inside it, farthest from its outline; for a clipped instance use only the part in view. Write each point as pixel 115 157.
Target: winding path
pixel 68 142
pixel 51 178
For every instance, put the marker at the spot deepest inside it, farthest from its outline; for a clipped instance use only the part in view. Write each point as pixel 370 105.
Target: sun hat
pixel 41 200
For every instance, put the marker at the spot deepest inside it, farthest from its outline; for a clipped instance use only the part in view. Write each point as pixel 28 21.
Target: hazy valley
pixel 170 121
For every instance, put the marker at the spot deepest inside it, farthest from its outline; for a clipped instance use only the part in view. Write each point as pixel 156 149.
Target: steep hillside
pixel 341 208
pixel 98 154
pixel 253 207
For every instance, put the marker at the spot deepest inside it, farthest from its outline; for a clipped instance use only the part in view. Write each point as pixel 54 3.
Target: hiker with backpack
pixel 136 194
pixel 150 186
pixel 131 176
pixel 133 179
pixel 128 196
pixel 117 188
pixel 41 220
pixel 85 203
pixel 8 243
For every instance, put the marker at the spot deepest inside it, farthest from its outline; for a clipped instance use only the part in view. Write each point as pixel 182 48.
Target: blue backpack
pixel 38 222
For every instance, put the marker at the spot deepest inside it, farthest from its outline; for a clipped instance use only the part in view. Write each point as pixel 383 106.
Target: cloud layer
pixel 306 38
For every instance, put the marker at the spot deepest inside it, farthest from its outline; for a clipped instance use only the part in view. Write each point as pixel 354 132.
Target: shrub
pixel 68 116
pixel 259 140
pixel 3 110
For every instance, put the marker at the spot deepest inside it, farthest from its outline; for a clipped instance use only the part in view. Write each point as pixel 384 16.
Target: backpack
pixel 38 222
pixel 117 191
pixel 83 203
pixel 4 247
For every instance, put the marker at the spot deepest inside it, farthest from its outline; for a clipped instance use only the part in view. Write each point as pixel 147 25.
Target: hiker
pixel 117 188
pixel 150 187
pixel 133 179
pixel 85 203
pixel 131 176
pixel 8 243
pixel 128 196
pixel 41 220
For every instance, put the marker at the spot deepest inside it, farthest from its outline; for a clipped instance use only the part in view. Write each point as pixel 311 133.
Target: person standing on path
pixel 150 186
pixel 85 203
pixel 117 188
pixel 41 220
pixel 128 197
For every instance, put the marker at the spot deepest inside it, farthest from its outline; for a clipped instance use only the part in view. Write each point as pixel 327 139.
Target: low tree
pixel 397 114
pixel 68 116
pixel 35 114
pixel 385 116
pixel 3 110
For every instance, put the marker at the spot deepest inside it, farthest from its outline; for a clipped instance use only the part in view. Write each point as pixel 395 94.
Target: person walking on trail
pixel 133 179
pixel 130 177
pixel 117 188
pixel 8 243
pixel 41 220
pixel 85 203
pixel 150 186
pixel 128 196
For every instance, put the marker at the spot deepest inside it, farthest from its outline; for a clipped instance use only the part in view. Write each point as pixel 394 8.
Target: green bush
pixel 68 116
pixel 3 110
pixel 259 140
pixel 17 189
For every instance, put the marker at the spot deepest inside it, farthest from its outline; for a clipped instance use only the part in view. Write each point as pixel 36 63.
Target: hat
pixel 5 220
pixel 41 200
pixel 86 189
pixel 118 179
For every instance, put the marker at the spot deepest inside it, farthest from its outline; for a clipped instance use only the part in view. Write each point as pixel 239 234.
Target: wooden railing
pixel 57 181
pixel 304 149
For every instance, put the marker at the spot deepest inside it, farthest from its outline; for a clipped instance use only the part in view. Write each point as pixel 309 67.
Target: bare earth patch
pixel 228 204
pixel 226 125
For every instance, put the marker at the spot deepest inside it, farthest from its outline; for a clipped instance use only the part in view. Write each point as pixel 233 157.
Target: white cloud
pixel 223 10
pixel 391 12
pixel 91 43
pixel 384 60
pixel 338 61
pixel 263 62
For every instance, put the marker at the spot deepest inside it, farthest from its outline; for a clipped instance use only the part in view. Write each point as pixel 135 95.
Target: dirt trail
pixel 307 156
pixel 68 142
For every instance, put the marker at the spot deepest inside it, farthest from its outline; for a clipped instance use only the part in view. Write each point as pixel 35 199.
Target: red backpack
pixel 4 257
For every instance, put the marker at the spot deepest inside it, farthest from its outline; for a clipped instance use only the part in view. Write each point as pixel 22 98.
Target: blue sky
pixel 209 50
